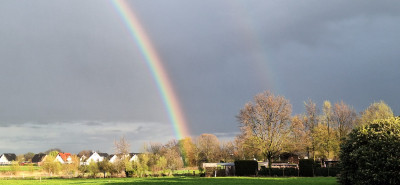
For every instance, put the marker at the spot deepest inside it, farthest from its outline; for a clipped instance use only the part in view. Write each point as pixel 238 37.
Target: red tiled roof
pixel 64 156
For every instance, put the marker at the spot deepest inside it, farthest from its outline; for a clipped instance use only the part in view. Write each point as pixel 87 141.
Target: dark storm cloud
pixel 325 51
pixel 74 63
pixel 64 61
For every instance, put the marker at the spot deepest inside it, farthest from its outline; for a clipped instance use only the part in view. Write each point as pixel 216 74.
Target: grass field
pixel 20 168
pixel 181 181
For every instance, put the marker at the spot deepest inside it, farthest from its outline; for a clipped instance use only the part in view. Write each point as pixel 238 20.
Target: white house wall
pixel 4 160
pixel 95 157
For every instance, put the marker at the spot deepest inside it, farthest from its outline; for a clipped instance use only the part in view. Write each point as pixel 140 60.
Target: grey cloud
pixel 75 63
pixel 74 137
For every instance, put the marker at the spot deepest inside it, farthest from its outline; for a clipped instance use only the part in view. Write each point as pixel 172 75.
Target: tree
pixel 20 158
pixel 311 121
pixel 122 146
pixel 188 148
pixel 321 138
pixel 245 149
pixel 105 167
pixel 85 153
pixel 172 154
pixel 83 169
pixel 28 156
pixel 71 168
pixel 327 118
pixel 266 122
pixel 377 110
pixel 53 153
pixel 14 168
pixel 370 154
pixel 161 164
pixel 140 166
pixel 53 149
pixel 51 166
pixel 298 139
pixel 344 117
pixel 208 148
pixel 118 166
pixel 93 168
pixel 227 150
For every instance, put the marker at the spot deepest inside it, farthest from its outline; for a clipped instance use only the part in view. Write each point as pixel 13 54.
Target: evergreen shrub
pixel 371 154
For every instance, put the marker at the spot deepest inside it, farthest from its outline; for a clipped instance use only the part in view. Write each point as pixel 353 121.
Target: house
pixel 7 158
pixel 39 158
pixel 95 157
pixel 133 156
pixel 82 159
pixel 113 158
pixel 64 158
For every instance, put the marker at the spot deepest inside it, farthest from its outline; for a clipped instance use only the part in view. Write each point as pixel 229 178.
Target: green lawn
pixel 181 181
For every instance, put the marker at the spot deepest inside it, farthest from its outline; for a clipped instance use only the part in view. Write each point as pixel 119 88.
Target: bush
pixel 210 172
pixel 279 172
pixel 129 173
pixel 327 172
pixel 371 154
pixel 246 168
pixel 306 167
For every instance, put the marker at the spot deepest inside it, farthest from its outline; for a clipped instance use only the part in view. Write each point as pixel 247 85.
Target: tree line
pixel 267 131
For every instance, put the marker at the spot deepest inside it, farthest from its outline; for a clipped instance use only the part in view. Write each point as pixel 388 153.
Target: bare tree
pixel 344 117
pixel 298 138
pixel 266 122
pixel 85 153
pixel 208 148
pixel 311 121
pixel 122 146
pixel 227 150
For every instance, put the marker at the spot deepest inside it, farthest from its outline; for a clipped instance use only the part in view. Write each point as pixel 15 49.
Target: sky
pixel 72 77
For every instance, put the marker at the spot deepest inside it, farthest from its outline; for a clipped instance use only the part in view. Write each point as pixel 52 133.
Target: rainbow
pixel 155 65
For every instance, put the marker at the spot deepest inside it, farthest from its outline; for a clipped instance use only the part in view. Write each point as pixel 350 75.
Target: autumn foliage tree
pixel 298 139
pixel 208 147
pixel 266 123
pixel 377 110
pixel 188 149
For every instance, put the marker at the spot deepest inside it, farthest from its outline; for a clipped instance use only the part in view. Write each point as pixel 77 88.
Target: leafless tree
pixel 311 121
pixel 122 146
pixel 266 122
pixel 344 117
pixel 208 148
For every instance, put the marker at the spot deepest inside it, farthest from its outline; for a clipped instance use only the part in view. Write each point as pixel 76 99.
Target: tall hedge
pixel 371 154
pixel 246 168
pixel 306 167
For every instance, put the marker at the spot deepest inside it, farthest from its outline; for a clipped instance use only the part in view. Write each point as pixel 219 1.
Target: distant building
pixel 64 158
pixel 133 157
pixel 94 157
pixel 39 158
pixel 113 158
pixel 7 158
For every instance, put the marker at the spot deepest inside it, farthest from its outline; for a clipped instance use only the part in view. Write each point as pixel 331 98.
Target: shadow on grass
pixel 182 180
pixel 224 180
